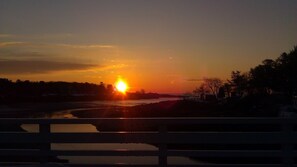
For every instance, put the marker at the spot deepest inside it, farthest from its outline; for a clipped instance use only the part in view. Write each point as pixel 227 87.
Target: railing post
pixel 45 147
pixel 287 146
pixel 163 147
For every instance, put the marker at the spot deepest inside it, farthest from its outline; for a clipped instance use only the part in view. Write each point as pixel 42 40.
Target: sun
pixel 121 86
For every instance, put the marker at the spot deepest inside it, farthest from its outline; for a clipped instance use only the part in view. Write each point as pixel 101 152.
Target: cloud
pixel 7 36
pixel 86 46
pixel 39 66
pixel 112 67
pixel 38 36
pixel 14 43
pixel 26 55
pixel 11 54
pixel 72 46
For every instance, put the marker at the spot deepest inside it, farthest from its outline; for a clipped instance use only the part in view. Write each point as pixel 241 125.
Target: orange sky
pixel 159 46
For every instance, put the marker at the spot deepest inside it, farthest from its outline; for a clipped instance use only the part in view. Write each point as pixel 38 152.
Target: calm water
pixel 104 146
pixel 133 102
pixel 66 113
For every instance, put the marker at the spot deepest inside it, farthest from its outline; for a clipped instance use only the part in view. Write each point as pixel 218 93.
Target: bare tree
pixel 201 91
pixel 214 85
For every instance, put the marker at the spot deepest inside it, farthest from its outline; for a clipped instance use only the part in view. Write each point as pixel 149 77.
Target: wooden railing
pixel 269 142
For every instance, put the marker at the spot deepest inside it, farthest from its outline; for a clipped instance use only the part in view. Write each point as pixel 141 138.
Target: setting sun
pixel 121 86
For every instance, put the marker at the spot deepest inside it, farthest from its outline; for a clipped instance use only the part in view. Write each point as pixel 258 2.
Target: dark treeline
pixel 271 77
pixel 29 91
pixel 275 75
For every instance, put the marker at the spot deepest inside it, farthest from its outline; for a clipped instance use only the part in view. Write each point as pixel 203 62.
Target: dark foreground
pixel 248 107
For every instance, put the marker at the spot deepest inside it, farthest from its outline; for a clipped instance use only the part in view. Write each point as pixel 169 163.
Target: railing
pixel 265 142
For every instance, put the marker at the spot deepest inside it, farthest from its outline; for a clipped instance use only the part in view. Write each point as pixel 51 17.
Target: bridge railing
pixel 211 141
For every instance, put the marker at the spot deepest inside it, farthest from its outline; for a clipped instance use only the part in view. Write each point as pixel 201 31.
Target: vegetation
pixel 28 91
pixel 17 90
pixel 270 77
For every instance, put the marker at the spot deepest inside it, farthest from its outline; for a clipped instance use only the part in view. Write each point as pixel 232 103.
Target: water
pixel 93 105
pixel 133 102
pixel 103 146
pixel 100 146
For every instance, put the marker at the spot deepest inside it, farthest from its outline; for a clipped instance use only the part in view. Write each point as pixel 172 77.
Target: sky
pixel 163 46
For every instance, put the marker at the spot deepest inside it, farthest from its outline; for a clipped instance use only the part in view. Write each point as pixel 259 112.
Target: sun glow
pixel 121 86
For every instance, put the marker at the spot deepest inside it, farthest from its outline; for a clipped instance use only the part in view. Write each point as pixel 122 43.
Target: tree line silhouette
pixel 277 76
pixel 30 91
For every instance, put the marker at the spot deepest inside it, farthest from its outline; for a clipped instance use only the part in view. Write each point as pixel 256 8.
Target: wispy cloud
pixel 86 46
pixel 8 35
pixel 111 67
pixel 13 43
pixel 73 46
pixel 38 36
pixel 39 66
pixel 4 54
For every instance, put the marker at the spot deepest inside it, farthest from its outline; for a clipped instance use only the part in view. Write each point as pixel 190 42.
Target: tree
pixel 5 86
pixel 278 75
pixel 101 89
pixel 110 90
pixel 264 76
pixel 287 71
pixel 228 89
pixel 201 91
pixel 214 85
pixel 239 82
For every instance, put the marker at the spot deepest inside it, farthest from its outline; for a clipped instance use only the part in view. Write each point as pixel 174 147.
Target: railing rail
pixel 165 133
